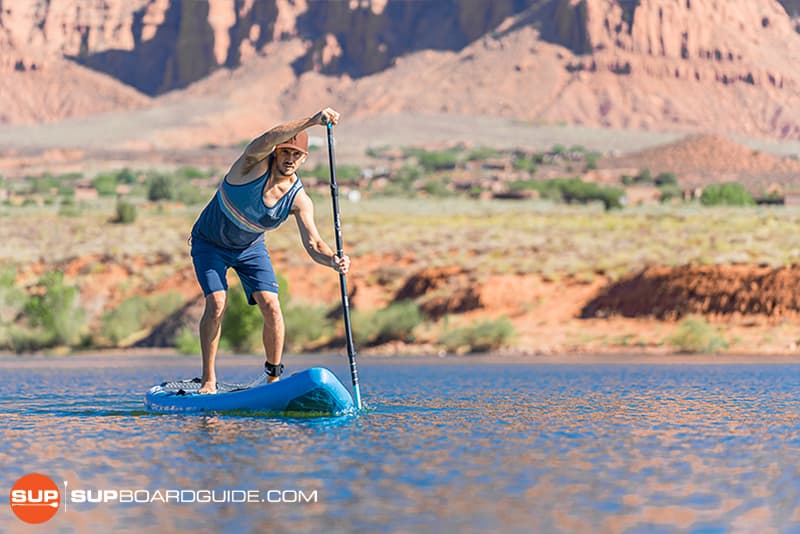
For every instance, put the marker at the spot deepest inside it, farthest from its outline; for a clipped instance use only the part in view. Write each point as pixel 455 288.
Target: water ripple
pixel 444 446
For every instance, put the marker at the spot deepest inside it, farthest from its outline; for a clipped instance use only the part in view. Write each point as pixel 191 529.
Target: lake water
pixel 448 445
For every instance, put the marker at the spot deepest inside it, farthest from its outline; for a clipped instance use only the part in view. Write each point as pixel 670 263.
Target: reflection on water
pixel 448 446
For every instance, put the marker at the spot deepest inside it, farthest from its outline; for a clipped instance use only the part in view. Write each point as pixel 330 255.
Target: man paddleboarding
pixel 257 194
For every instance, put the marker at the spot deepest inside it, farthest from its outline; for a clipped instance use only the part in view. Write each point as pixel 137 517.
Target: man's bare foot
pixel 208 387
pixel 271 379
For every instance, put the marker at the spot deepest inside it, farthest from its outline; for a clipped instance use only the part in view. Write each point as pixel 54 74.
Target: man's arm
pixel 263 145
pixel 319 251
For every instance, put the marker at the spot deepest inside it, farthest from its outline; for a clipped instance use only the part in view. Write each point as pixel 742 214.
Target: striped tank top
pixel 237 217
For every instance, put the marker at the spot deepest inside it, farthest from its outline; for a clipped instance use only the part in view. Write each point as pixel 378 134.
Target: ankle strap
pixel 273 370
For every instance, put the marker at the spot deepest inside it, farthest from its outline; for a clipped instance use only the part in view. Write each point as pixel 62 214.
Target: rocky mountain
pixel 720 65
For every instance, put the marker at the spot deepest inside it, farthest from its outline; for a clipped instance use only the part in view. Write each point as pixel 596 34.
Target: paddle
pixel 351 352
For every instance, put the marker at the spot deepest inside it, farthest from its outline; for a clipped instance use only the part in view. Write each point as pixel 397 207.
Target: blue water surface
pixel 446 445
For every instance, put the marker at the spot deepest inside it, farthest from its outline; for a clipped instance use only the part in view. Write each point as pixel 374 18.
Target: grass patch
pixel 396 322
pixel 695 336
pixel 483 336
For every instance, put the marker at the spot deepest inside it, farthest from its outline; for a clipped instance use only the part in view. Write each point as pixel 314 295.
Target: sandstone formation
pixel 717 65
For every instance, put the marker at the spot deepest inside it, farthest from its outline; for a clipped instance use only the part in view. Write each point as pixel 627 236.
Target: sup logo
pixel 35 498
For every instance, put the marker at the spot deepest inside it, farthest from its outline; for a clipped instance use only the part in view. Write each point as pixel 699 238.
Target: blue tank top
pixel 237 217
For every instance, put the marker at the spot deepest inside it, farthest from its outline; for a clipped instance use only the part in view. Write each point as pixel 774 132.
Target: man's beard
pixel 282 172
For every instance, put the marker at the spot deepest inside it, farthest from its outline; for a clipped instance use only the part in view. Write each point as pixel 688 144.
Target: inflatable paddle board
pixel 312 391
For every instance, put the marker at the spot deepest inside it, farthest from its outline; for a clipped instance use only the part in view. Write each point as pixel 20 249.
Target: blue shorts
pixel 211 263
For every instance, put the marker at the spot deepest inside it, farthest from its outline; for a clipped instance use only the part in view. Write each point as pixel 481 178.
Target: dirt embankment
pixel 720 291
pixel 756 307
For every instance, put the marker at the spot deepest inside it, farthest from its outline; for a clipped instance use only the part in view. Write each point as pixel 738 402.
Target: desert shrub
pixel 190 173
pixel 666 178
pixel 187 342
pixel 305 325
pixel 242 324
pixel 105 184
pixel 644 177
pixel 161 187
pixel 524 163
pixel 576 190
pixel 124 320
pixel 438 160
pixel 12 302
pixel 695 335
pixel 125 176
pixel 137 313
pixel 483 336
pixel 727 194
pixel 396 322
pixel 572 190
pixel 402 182
pixel 56 311
pixel 668 192
pixel 482 152
pixel 344 173
pixel 191 195
pixel 437 187
pixel 68 208
pixel 12 298
pixel 43 185
pixel 591 160
pixel 126 212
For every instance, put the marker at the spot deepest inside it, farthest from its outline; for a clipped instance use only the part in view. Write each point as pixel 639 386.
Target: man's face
pixel 288 160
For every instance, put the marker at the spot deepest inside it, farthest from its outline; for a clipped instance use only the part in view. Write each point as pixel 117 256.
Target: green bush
pixel 572 190
pixel 437 188
pixel 666 178
pixel 591 161
pixel 124 320
pixel 242 324
pixel 187 342
pixel 136 314
pixel 344 173
pixel 190 173
pixel 668 192
pixel 727 194
pixel 125 176
pixel 305 325
pixel 483 336
pixel 695 335
pixel 524 163
pixel 482 152
pixel 126 212
pixel 402 182
pixel 106 184
pixel 43 185
pixel 396 322
pixel 576 190
pixel 12 303
pixel 56 311
pixel 161 187
pixel 644 177
pixel 12 298
pixel 191 195
pixel 438 160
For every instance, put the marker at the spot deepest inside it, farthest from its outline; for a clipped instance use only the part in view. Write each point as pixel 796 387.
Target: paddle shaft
pixel 351 352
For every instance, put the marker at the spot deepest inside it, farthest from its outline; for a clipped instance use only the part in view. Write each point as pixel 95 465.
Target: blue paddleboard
pixel 315 390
